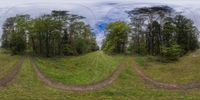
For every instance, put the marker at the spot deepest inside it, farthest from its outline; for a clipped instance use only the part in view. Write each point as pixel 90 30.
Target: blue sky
pixel 98 13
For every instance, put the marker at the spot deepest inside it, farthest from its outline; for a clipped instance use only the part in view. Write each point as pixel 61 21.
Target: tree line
pixel 58 33
pixel 156 30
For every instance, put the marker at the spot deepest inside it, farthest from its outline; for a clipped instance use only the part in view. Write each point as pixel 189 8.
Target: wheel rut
pixel 11 75
pixel 92 86
pixel 162 85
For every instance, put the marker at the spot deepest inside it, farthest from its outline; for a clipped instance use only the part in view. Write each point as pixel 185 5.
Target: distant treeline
pixel 58 33
pixel 157 30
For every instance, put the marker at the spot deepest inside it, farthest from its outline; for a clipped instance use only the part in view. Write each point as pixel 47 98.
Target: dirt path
pixel 162 85
pixel 195 55
pixel 92 86
pixel 11 75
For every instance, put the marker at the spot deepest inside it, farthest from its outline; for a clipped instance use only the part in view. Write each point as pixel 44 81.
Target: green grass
pixel 128 86
pixel 186 70
pixel 7 62
pixel 83 69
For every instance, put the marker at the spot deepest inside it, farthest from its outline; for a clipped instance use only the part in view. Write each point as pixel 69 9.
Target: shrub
pixel 17 44
pixel 171 52
pixel 67 50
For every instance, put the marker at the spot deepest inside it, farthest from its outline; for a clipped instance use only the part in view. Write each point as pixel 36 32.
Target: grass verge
pixel 7 62
pixel 83 69
pixel 128 86
pixel 185 70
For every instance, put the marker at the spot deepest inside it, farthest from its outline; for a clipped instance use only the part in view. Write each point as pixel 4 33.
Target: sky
pixel 98 13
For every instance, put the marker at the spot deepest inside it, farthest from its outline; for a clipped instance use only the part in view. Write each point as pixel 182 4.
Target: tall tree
pixel 15 33
pixel 149 16
pixel 58 33
pixel 117 37
pixel 186 33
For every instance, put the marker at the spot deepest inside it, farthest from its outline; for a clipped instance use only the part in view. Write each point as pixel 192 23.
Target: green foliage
pixel 7 62
pixel 58 33
pixel 14 36
pixel 83 69
pixel 156 32
pixel 183 71
pixel 94 46
pixel 168 30
pixel 68 50
pixel 137 49
pixel 171 52
pixel 187 33
pixel 117 37
pixel 128 86
pixel 17 44
pixel 81 46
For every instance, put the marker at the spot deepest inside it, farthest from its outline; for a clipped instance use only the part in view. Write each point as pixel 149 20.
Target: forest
pixel 58 33
pixel 152 55
pixel 157 31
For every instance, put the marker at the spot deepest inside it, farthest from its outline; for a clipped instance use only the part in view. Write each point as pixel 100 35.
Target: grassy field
pixel 83 69
pixel 128 86
pixel 183 71
pixel 6 62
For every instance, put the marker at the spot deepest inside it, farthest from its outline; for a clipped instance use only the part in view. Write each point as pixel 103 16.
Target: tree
pixel 171 52
pixel 94 46
pixel 117 37
pixel 8 28
pixel 156 38
pixel 14 33
pixel 186 33
pixel 159 31
pixel 145 20
pixel 55 34
pixel 137 42
pixel 17 43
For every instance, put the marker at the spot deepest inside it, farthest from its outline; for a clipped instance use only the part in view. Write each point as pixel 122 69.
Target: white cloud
pixel 95 10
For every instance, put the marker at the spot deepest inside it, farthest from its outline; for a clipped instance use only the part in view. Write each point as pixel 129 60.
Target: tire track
pixel 93 86
pixel 162 85
pixel 11 75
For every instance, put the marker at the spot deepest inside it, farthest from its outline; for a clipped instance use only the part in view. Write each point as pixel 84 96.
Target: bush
pixel 67 50
pixel 172 52
pixel 81 46
pixel 17 43
pixel 117 37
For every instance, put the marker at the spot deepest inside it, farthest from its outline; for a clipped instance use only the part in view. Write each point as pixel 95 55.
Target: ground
pixel 6 62
pixel 185 70
pixel 128 86
pixel 79 69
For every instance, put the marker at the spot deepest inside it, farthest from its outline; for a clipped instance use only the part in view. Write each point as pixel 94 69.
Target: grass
pixel 7 62
pixel 128 86
pixel 83 69
pixel 185 70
